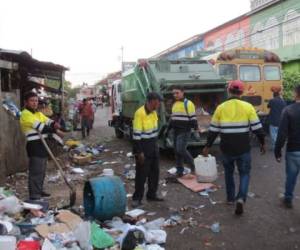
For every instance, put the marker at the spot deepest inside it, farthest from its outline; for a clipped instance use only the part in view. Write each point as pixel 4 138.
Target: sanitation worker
pixel 32 121
pixel 233 120
pixel 183 120
pixel 145 148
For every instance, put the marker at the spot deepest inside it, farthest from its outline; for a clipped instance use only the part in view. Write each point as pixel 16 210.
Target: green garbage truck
pixel 201 83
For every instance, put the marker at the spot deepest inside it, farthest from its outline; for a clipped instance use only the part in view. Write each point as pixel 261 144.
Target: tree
pixel 290 80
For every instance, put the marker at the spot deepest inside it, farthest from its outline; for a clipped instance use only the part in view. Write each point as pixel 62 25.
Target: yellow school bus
pixel 259 69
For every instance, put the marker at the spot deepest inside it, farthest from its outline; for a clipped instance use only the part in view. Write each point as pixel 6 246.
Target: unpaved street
pixel 265 224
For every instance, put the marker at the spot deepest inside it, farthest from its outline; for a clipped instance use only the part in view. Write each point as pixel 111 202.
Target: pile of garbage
pixel 33 226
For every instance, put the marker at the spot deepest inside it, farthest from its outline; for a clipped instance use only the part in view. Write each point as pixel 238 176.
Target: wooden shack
pixel 17 69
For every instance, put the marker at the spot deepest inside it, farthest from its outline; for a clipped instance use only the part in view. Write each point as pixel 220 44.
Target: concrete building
pixel 271 24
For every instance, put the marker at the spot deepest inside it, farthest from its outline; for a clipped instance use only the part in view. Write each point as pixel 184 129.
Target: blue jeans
pixel 181 153
pixel 292 160
pixel 243 163
pixel 273 134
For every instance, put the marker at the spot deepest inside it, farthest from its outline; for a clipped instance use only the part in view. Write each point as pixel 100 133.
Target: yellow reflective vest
pixel 32 121
pixel 233 120
pixel 184 115
pixel 145 131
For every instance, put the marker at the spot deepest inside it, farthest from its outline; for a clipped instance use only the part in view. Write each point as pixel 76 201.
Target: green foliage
pixel 290 80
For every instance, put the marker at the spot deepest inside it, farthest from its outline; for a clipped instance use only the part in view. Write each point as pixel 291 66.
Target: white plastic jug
pixel 206 168
pixel 8 242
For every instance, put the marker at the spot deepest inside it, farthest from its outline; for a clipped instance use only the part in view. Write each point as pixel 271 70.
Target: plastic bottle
pixel 215 227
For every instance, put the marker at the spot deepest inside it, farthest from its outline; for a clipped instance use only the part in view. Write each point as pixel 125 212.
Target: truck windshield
pixel 228 71
pixel 249 73
pixel 272 73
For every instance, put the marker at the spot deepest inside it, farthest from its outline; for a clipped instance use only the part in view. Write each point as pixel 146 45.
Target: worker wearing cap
pixel 145 148
pixel 32 121
pixel 233 120
pixel 276 105
pixel 183 120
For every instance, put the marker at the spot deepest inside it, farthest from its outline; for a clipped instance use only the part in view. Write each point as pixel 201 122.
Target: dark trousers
pixel 243 163
pixel 149 170
pixel 37 172
pixel 292 171
pixel 181 153
pixel 85 126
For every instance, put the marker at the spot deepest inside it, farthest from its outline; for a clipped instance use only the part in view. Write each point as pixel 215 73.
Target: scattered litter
pixel 251 195
pixel 212 201
pixel 130 175
pixel 96 162
pixel 164 193
pixel 156 236
pixel 292 229
pixel 100 239
pixel 53 179
pixel 77 171
pixel 173 171
pixel 215 227
pixel 183 230
pixel 130 155
pixel 47 245
pixel 151 213
pixel 174 220
pixel 129 195
pixel 155 224
pixel 31 206
pixel 135 213
pixel 109 162
pixel 108 172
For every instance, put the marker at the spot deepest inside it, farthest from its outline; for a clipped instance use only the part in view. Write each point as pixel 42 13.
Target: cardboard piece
pixel 70 219
pixel 191 183
pixel 43 229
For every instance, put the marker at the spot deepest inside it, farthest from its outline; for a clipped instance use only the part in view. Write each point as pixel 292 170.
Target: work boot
pixel 239 210
pixel 287 203
pixel 136 203
pixel 45 195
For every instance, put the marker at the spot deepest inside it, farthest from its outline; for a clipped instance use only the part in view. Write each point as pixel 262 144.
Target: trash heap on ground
pixel 103 221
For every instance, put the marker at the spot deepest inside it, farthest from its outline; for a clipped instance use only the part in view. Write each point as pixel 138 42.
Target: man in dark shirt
pixel 289 129
pixel 276 105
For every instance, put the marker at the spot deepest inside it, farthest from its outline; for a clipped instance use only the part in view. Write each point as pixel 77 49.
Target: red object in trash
pixel 28 245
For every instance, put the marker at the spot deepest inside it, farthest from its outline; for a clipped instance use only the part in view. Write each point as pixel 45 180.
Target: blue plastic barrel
pixel 104 197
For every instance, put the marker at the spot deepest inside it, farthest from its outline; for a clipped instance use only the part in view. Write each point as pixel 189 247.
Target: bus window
pixel 228 71
pixel 249 73
pixel 272 73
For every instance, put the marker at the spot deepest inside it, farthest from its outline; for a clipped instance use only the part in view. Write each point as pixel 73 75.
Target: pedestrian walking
pixel 183 121
pixel 31 121
pixel 86 114
pixel 289 129
pixel 276 105
pixel 233 120
pixel 145 148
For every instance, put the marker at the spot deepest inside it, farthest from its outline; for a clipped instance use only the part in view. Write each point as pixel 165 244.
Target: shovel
pixel 60 169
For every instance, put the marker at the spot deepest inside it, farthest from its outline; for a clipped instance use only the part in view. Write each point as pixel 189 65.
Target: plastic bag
pixel 100 239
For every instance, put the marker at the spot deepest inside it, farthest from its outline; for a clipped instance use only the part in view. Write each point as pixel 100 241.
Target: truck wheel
pixel 119 133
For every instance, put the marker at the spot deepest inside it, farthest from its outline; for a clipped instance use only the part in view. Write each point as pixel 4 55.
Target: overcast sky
pixel 86 35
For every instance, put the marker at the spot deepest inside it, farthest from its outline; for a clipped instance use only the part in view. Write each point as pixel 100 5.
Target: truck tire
pixel 119 133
